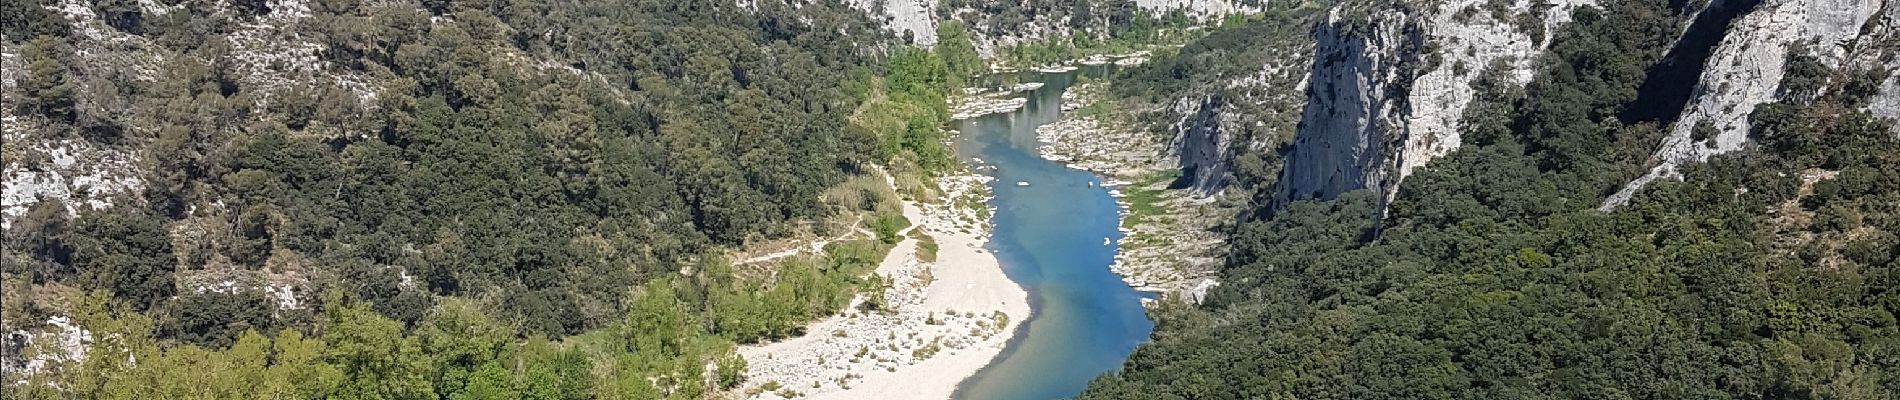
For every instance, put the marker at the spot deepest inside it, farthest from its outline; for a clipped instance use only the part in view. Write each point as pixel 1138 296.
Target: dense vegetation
pixel 1270 52
pixel 911 109
pixel 532 204
pixel 660 348
pixel 534 201
pixel 1766 273
pixel 1239 47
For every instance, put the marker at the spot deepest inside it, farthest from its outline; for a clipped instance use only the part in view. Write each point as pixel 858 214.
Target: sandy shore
pixel 945 319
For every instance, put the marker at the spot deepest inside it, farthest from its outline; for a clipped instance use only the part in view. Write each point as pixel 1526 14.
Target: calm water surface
pixel 1050 238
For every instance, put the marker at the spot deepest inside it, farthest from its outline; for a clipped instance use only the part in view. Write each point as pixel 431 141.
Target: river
pixel 1055 236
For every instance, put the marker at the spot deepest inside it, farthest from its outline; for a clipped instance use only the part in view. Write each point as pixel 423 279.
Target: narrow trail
pixel 815 247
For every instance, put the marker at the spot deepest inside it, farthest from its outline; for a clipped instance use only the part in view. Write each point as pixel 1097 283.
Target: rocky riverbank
pixel 1088 138
pixel 986 104
pixel 1169 244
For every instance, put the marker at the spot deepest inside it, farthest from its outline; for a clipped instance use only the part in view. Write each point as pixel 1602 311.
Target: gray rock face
pixel 1387 90
pixel 1467 41
pixel 1355 103
pixel 1745 71
pixel 917 17
pixel 1204 150
pixel 1228 114
pixel 1879 48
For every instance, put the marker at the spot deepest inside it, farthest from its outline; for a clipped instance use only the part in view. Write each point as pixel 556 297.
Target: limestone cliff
pixel 1389 86
pixel 1355 104
pixel 1201 146
pixel 1879 49
pixel 1382 93
pixel 1227 115
pixel 1462 41
pixel 1745 70
pixel 916 18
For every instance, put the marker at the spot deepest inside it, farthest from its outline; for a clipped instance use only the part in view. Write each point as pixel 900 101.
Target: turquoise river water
pixel 1056 237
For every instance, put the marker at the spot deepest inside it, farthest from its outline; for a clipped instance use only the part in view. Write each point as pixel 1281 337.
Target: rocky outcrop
pixel 1388 88
pixel 60 341
pixel 1202 149
pixel 267 56
pixel 1228 114
pixel 1878 48
pixel 1464 40
pixel 1211 128
pixel 76 173
pixel 1745 70
pixel 916 18
pixel 1355 103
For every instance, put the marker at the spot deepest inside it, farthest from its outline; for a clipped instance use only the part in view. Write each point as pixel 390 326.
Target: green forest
pixel 530 199
pixel 1767 273
pixel 483 227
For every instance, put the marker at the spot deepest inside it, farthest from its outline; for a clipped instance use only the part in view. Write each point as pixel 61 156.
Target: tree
pixel 1079 15
pixel 462 339
pixel 42 232
pixel 490 382
pixel 959 55
pixel 556 374
pixel 655 323
pixel 22 20
pixel 126 251
pixel 298 369
pixel 215 320
pixel 48 93
pixel 731 371
pixel 252 8
pixel 248 360
pixel 917 72
pixel 374 359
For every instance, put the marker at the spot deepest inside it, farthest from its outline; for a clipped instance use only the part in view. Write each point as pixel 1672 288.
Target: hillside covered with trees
pixel 457 200
pixel 1766 273
pixel 531 199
